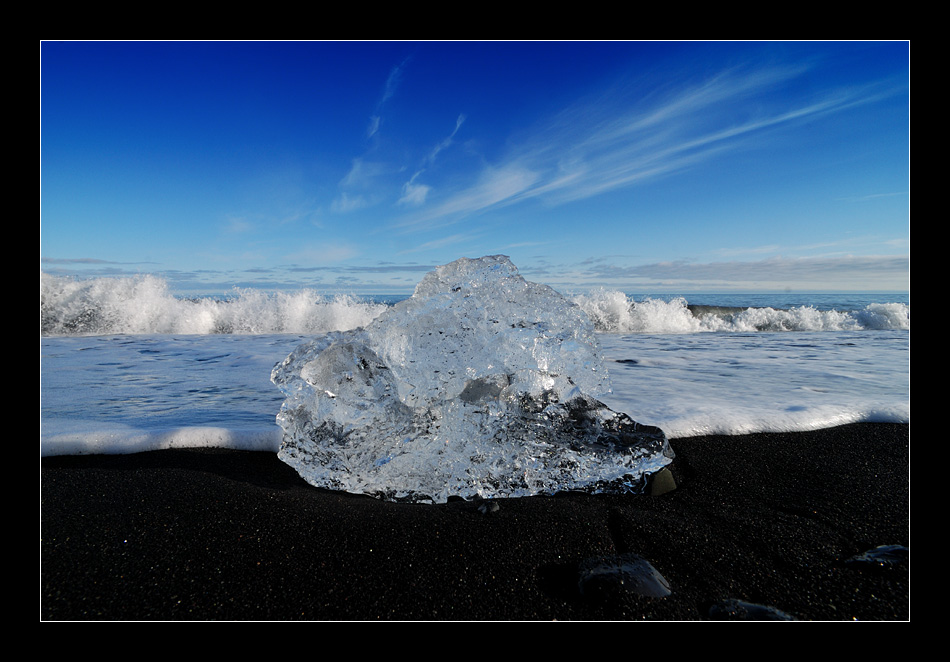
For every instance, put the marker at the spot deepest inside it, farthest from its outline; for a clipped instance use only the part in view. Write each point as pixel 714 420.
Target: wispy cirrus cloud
pixel 82 260
pixel 627 136
pixel 441 243
pixel 495 186
pixel 322 253
pixel 864 245
pixel 874 196
pixel 414 193
pixel 358 186
pixel 389 89
pixel 847 272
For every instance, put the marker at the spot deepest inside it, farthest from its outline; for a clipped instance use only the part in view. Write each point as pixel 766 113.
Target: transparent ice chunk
pixel 482 384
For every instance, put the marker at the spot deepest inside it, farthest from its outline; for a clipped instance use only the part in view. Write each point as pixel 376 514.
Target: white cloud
pixel 873 196
pixel 392 82
pixel 373 126
pixel 361 185
pixel 496 186
pixel 412 193
pixel 323 253
pixel 362 173
pixel 415 194
pixel 440 243
pixel 873 272
pixel 625 137
pixel 447 142
pixel 347 203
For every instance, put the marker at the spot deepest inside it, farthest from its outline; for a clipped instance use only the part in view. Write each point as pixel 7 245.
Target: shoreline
pixel 209 534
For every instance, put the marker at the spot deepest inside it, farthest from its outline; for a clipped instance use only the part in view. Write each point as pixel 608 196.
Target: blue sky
pixel 649 167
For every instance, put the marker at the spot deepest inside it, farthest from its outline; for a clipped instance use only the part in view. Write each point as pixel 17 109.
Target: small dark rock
pixel 661 482
pixel 739 610
pixel 884 556
pixel 487 507
pixel 605 576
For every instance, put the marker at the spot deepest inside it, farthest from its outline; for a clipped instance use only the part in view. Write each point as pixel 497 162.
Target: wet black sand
pixel 225 535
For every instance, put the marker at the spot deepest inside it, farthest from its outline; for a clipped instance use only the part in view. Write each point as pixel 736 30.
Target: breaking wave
pixel 145 305
pixel 615 312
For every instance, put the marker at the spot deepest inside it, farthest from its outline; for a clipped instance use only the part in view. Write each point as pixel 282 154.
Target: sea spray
pixel 613 311
pixel 144 305
pixel 128 366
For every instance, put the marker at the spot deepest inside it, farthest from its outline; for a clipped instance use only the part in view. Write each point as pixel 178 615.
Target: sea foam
pixel 145 305
pixel 616 312
pixel 127 366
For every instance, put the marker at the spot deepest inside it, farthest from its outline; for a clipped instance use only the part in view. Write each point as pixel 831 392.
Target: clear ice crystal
pixel 482 384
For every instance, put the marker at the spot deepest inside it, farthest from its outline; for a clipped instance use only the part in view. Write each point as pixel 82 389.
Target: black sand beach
pixel 770 519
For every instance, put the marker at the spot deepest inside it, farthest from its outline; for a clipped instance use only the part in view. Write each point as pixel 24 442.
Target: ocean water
pixel 125 366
